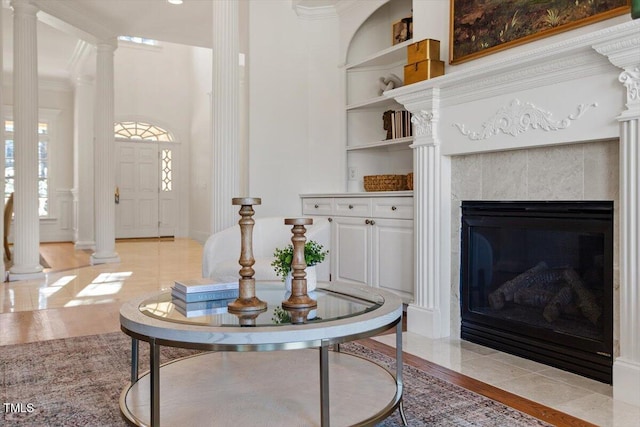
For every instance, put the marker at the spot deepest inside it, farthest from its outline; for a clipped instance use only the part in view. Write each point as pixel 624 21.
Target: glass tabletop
pixel 332 305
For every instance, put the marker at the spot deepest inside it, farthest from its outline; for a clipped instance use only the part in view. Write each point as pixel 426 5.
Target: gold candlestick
pixel 247 300
pixel 299 298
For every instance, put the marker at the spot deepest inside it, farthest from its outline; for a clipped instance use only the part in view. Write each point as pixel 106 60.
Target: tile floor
pixel 86 300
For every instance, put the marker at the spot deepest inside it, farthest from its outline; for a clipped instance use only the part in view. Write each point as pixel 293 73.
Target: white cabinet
pixel 351 250
pixel 392 256
pixel 371 239
pixel 371 56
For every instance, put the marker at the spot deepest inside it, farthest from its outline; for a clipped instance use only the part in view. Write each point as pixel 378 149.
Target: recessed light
pixel 175 1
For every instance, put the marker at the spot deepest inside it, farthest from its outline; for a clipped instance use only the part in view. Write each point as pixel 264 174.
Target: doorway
pixel 146 203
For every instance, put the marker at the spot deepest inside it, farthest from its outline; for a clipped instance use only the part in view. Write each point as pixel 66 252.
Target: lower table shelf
pixel 264 388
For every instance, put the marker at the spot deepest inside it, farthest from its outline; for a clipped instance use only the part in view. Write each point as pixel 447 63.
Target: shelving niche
pixel 372 55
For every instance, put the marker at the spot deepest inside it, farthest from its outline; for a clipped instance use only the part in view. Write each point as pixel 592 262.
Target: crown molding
pixel 76 20
pixel 547 65
pixel 315 13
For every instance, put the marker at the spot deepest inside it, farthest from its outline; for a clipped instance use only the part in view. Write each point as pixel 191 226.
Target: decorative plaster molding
pixel 76 19
pixel 631 80
pixel 549 65
pixel 315 12
pixel 527 75
pixel 518 118
pixel 424 123
pixel 623 51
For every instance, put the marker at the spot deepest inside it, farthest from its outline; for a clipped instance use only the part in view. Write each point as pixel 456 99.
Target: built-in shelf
pixel 395 53
pixel 370 58
pixel 377 102
pixel 398 142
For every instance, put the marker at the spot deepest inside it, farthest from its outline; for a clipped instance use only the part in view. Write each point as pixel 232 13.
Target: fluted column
pixel 26 233
pixel 429 315
pixel 83 185
pixel 623 53
pixel 2 157
pixel 225 115
pixel 104 157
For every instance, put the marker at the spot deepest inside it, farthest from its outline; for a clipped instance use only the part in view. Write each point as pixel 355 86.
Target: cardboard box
pixel 422 50
pixel 423 70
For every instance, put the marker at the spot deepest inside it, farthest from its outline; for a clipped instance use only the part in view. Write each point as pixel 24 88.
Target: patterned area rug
pixel 77 382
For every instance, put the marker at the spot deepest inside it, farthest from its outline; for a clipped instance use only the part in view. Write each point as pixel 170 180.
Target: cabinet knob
pixel 372 222
pixel 350 206
pixel 366 221
pixel 393 208
pixel 316 206
pixel 330 219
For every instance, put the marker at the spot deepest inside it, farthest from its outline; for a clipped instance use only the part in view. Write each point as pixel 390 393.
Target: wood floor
pixel 86 319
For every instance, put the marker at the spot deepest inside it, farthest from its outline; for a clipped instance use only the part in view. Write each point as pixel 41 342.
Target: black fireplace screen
pixel 537 280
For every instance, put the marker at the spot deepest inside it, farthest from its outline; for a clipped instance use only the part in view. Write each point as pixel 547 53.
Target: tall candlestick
pixel 299 298
pixel 247 300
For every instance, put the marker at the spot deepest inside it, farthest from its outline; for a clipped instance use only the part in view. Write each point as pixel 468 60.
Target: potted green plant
pixel 314 253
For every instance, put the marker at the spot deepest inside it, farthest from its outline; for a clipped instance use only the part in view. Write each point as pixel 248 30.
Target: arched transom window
pixel 141 131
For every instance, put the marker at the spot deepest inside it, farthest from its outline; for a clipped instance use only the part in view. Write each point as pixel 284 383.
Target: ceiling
pixel 63 23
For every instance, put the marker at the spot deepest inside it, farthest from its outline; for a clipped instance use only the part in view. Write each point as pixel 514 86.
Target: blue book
pixel 202 312
pixel 203 284
pixel 205 296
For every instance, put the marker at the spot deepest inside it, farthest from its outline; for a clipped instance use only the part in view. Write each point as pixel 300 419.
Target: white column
pixel 26 233
pixel 83 185
pixel 2 158
pixel 225 115
pixel 429 315
pixel 623 53
pixel 104 157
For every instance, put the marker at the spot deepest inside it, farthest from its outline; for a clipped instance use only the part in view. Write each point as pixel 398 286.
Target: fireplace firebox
pixel 537 281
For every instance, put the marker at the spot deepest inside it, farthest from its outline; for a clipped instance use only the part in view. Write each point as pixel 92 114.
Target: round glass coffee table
pixel 264 369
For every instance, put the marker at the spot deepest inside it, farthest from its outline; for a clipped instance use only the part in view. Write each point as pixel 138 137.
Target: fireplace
pixel 537 281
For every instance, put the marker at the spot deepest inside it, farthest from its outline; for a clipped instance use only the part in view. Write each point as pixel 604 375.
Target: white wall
pixel 154 85
pixel 294 112
pixel 200 160
pixel 56 105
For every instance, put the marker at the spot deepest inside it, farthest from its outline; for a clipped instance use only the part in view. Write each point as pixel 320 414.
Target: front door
pixel 141 178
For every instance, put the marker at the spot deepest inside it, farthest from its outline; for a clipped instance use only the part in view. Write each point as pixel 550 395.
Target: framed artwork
pixel 481 27
pixel 402 30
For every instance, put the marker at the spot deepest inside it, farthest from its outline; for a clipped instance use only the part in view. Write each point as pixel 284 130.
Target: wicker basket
pixel 410 181
pixel 385 182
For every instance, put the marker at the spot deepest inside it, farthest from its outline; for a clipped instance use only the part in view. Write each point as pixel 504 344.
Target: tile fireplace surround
pixel 560 122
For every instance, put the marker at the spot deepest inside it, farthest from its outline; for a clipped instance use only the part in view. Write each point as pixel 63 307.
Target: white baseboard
pixel 626 381
pixel 425 322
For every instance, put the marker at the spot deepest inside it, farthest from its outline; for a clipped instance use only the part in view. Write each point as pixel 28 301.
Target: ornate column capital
pixel 107 45
pixel 425 107
pixel 631 80
pixel 424 127
pixel 24 6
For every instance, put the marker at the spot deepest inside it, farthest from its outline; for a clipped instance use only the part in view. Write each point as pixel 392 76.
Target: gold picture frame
pixel 478 28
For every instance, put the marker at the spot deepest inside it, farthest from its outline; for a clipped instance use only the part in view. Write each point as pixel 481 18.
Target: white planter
pixel 312 279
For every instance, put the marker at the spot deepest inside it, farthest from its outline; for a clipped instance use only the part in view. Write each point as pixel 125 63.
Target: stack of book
pixel 201 297
pixel 397 124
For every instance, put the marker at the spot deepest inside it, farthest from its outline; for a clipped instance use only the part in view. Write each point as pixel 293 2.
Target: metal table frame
pixel 323 344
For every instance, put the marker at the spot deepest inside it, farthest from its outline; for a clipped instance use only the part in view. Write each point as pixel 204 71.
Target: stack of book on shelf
pixel 397 124
pixel 201 297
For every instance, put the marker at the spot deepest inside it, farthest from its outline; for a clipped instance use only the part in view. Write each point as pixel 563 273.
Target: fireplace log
pixel 506 291
pixel 586 300
pixel 534 297
pixel 557 305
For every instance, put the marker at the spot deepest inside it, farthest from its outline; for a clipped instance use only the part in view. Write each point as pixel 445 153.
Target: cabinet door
pixel 392 261
pixel 351 250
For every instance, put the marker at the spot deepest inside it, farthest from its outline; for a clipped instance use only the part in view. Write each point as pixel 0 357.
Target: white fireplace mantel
pixel 562 93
